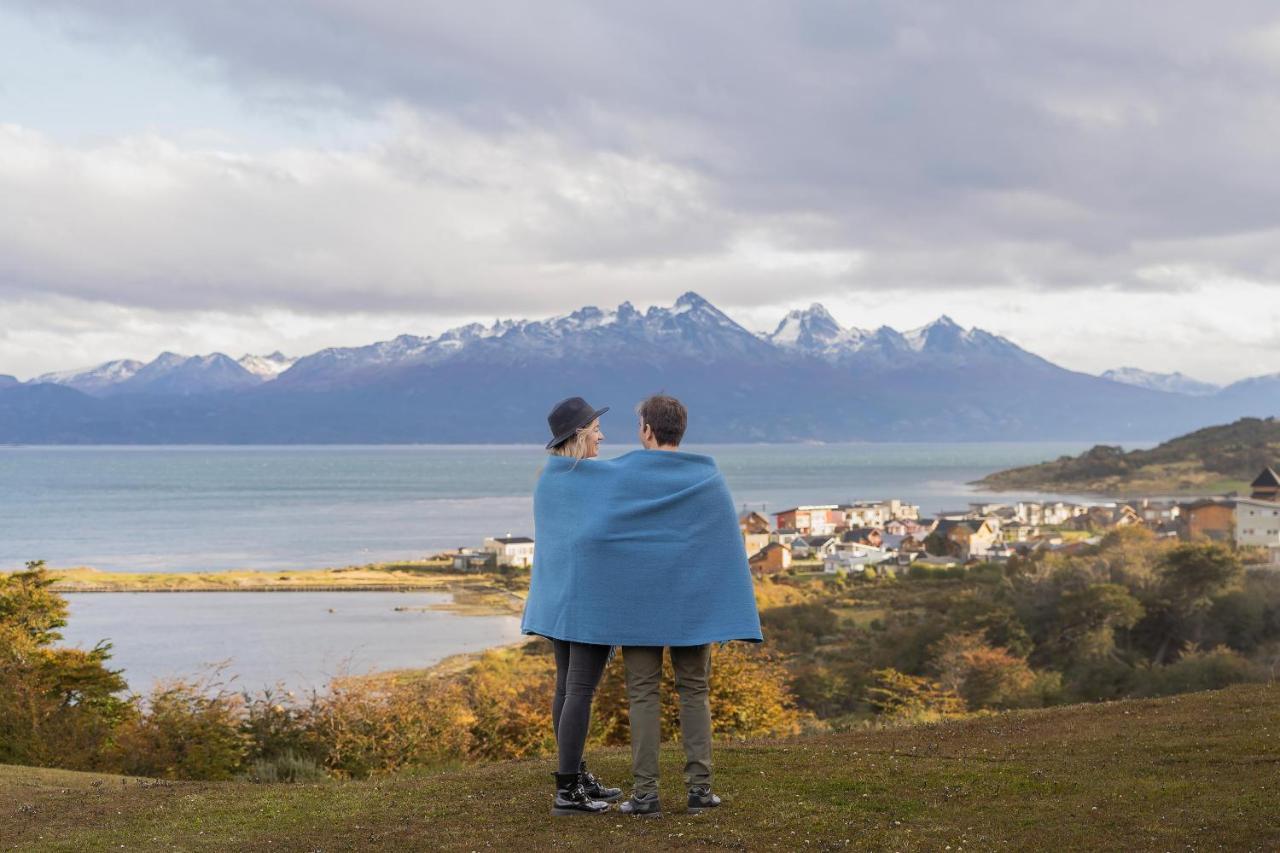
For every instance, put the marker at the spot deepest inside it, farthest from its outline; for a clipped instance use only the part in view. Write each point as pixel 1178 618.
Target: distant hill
pixel 1218 458
pixel 811 379
pixel 1154 774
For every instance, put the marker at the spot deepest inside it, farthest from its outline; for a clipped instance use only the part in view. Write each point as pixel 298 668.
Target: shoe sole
pixel 571 812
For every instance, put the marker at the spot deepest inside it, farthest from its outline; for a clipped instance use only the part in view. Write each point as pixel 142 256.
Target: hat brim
pixel 565 436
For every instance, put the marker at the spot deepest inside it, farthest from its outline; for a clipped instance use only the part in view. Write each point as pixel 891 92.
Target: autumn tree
pixel 58 706
pixel 899 696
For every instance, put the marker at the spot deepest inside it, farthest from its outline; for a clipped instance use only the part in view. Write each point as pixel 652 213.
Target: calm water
pixel 209 508
pixel 298 639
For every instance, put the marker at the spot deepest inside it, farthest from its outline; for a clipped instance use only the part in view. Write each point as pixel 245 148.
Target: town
pixel 886 537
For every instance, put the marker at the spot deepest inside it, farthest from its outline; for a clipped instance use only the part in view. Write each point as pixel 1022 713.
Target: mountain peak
pixel 811 328
pixel 689 299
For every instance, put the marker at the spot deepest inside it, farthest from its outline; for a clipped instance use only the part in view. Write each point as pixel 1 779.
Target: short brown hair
pixel 666 416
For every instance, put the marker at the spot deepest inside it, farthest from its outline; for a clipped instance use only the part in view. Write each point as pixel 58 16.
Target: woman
pixel 575 433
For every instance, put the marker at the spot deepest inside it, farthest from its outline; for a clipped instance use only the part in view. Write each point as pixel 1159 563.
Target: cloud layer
pixel 527 159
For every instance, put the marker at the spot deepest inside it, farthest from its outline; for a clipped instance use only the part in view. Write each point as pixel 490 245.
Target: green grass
pixel 1199 771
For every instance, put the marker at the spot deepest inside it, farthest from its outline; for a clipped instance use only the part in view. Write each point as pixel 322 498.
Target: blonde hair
pixel 576 445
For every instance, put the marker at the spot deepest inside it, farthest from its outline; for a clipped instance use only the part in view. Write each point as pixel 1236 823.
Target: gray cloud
pixel 551 154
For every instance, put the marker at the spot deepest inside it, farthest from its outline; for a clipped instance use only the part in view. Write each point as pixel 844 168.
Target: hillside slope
pixel 1215 458
pixel 1196 771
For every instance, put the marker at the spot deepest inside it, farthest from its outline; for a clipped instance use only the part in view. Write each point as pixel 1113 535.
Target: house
pixel 1257 525
pixel 1052 514
pixel 770 560
pixel 963 538
pixel 937 561
pixel 1156 513
pixel 921 527
pixel 863 514
pixel 890 542
pixel 1105 518
pixel 1211 518
pixel 756 532
pixel 513 551
pixel 785 536
pixel 896 527
pixel 471 560
pixel 811 520
pixel 856 558
pixel 804 547
pixel 1265 487
pixel 863 536
pixel 1018 531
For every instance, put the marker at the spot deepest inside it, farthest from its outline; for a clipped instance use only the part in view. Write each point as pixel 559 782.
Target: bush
pixel 186 733
pixel 986 676
pixel 288 767
pixel 367 727
pixel 909 698
pixel 799 627
pixel 749 698
pixel 1211 670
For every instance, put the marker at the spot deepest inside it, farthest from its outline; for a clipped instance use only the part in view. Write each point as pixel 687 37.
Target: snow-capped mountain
pixel 99 379
pixel 813 331
pixel 267 367
pixel 1177 383
pixel 171 373
pixel 810 378
pixel 691 327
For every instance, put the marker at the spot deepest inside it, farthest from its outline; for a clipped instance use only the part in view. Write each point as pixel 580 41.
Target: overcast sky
pixel 1098 181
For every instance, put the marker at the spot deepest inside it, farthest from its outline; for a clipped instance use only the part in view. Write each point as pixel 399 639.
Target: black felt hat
pixel 568 417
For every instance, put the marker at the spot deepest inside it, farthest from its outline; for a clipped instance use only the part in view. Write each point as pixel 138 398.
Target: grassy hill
pixel 1196 771
pixel 1214 459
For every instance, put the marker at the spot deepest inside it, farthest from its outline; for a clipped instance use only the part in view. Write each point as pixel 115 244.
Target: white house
pixel 1257 524
pixel 511 550
pixel 854 558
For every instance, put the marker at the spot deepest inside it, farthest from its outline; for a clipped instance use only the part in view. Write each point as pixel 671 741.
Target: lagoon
pixel 297 640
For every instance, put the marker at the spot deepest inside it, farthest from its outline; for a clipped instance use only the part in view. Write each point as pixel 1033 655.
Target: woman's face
pixel 592 436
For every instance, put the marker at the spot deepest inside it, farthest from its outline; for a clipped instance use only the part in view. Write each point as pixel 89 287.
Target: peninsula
pixel 1211 460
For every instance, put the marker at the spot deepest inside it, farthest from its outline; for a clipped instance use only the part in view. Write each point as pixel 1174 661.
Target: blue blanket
pixel 640 550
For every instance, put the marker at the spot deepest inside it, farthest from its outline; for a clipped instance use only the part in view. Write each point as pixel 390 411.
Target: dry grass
pixel 424 575
pixel 1199 771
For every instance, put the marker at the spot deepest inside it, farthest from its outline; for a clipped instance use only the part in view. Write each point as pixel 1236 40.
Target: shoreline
pixel 481 594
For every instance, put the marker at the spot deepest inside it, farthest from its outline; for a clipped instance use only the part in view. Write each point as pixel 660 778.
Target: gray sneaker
pixel 642 805
pixel 701 799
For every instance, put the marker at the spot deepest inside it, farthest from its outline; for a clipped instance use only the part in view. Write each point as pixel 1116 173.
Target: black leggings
pixel 578 670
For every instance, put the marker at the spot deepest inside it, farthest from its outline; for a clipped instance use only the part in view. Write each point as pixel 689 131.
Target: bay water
pixel 275 508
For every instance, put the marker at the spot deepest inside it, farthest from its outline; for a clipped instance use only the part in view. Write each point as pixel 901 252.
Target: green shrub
pixel 186 732
pixel 288 767
pixel 1211 670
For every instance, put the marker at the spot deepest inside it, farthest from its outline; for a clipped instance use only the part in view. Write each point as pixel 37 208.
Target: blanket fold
pixel 640 550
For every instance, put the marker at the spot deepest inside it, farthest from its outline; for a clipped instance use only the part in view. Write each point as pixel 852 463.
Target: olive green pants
pixel 692 666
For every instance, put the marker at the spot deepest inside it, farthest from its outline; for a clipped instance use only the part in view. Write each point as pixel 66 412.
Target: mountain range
pixel 809 379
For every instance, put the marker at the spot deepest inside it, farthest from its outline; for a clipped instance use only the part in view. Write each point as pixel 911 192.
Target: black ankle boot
pixel 571 798
pixel 596 789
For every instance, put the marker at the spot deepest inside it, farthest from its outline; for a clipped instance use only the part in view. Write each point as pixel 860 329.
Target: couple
pixel 643 552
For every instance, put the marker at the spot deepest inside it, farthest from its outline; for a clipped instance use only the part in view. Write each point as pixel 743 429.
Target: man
pixel 662 424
